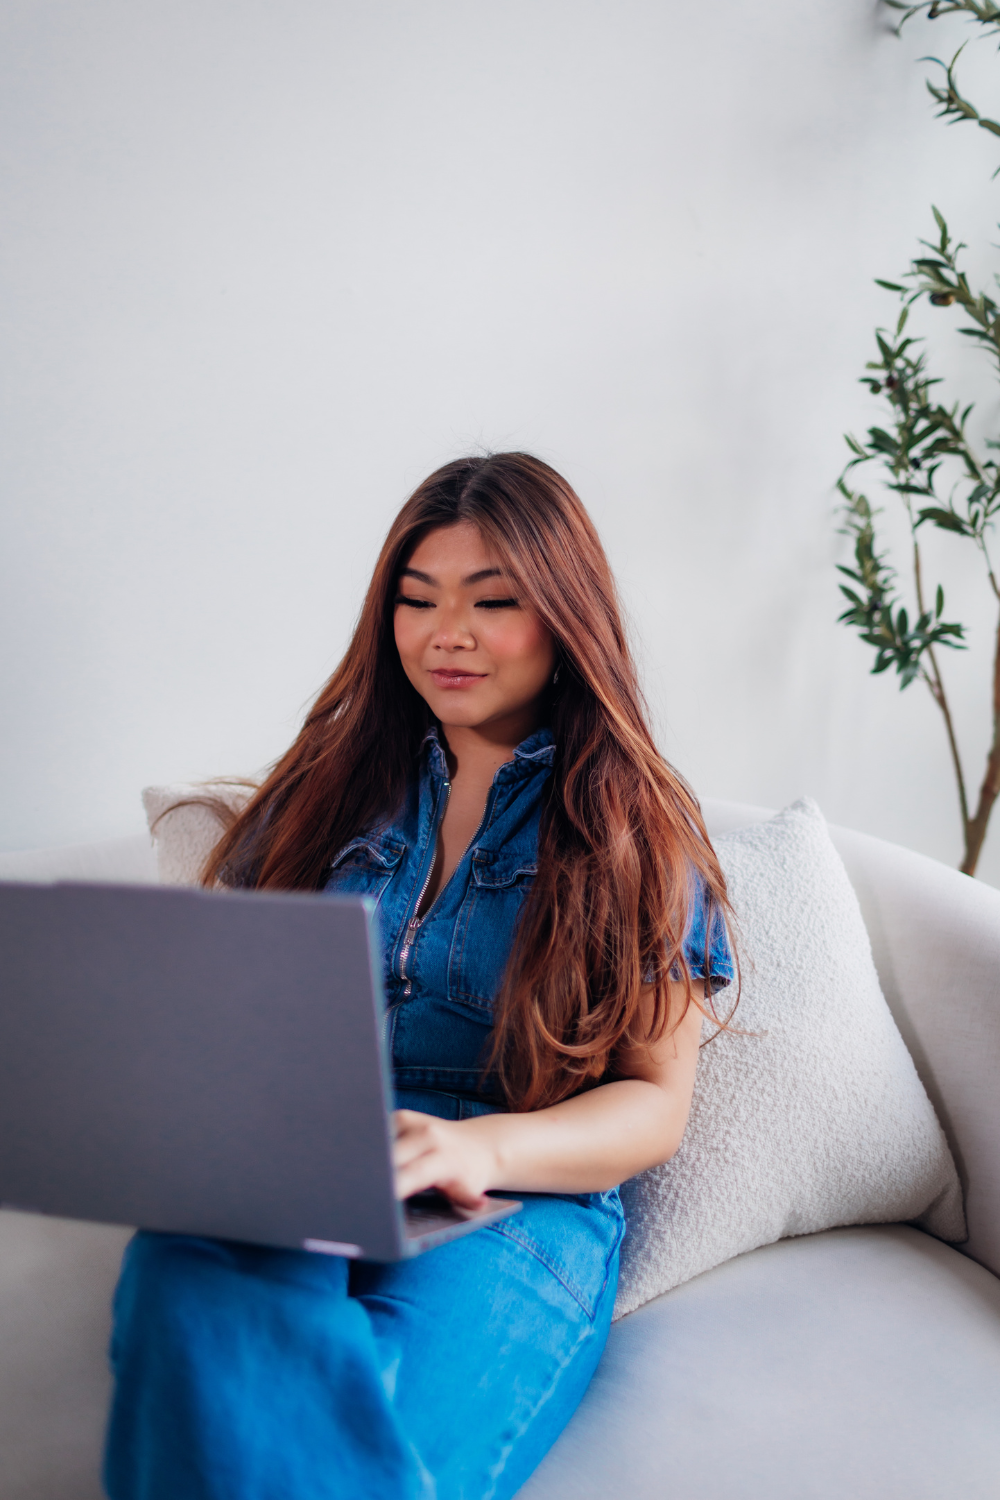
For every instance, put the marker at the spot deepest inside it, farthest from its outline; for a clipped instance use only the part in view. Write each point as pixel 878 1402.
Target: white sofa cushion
pixel 858 1364
pixel 129 861
pixel 56 1281
pixel 186 821
pixel 810 1113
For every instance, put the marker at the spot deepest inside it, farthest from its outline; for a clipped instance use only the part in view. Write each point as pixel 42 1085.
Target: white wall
pixel 264 266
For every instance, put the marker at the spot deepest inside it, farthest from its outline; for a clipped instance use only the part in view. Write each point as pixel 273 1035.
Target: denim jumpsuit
pixel 249 1373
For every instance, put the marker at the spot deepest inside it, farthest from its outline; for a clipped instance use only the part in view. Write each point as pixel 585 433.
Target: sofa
pixel 858 1362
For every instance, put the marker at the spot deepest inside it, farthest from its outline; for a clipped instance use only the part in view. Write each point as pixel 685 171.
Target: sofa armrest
pixel 935 937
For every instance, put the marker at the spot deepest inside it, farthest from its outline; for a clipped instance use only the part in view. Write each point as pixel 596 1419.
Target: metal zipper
pixel 407 949
pixel 414 923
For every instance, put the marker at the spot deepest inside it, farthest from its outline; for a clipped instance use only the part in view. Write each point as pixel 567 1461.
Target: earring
pixel 555 675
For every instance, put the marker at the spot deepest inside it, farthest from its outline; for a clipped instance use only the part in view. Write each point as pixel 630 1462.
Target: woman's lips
pixel 452 679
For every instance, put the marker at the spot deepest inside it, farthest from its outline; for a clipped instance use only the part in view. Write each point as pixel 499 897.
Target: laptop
pixel 205 1063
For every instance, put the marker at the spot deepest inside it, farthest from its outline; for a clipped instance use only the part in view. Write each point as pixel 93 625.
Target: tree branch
pixel 975 829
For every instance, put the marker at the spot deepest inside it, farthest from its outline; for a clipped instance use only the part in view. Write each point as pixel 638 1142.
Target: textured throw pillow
pixel 815 1119
pixel 186 822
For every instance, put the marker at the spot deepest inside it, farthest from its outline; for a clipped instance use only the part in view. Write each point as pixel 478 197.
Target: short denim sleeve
pixel 706 942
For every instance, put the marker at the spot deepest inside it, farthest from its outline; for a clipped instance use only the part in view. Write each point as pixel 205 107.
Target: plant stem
pixel 935 682
pixel 989 567
pixel 936 686
pixel 918 576
pixel 975 828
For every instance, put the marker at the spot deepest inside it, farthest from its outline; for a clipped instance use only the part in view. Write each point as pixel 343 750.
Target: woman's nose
pixel 453 632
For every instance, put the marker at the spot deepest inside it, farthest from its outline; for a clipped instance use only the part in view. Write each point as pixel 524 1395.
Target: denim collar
pixel 538 750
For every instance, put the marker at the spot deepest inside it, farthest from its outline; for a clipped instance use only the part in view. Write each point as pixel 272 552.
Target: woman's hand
pixel 443 1154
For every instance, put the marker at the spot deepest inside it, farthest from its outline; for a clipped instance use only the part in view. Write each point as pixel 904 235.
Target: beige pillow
pixel 817 1118
pixel 186 821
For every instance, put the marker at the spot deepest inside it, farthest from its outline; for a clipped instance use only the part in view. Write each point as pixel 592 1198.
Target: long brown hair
pixel 621 841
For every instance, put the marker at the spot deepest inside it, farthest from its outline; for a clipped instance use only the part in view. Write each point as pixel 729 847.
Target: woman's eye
pixel 413 603
pixel 496 604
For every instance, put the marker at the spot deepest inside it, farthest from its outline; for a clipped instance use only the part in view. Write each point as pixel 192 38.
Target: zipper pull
pixel 411 928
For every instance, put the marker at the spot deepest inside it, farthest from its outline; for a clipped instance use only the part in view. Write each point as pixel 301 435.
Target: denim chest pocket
pixel 364 867
pixel 486 926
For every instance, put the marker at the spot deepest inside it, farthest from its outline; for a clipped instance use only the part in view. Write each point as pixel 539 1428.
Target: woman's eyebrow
pixel 472 578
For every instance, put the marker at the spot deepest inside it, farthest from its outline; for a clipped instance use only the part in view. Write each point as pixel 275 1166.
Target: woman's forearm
pixel 588 1143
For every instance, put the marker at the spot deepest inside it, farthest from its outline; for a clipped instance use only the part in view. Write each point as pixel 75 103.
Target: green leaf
pixel 946 520
pixel 939 603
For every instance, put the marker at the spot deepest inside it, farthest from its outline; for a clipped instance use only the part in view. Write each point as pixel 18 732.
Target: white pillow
pixel 819 1117
pixel 186 822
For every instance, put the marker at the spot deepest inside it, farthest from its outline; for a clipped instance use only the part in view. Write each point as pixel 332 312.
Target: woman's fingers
pixel 461 1194
pixel 407 1148
pixel 413 1178
pixel 415 1136
pixel 433 1169
pixel 428 1152
pixel 431 1172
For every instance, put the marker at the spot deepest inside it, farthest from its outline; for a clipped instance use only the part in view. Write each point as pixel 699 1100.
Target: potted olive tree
pixel 928 460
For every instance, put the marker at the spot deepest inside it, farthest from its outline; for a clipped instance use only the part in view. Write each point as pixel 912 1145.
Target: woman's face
pixel 471 649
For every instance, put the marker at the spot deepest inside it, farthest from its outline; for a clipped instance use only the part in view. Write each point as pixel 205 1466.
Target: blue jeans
pixel 246 1373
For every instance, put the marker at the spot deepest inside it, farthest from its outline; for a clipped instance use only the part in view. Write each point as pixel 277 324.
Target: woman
pixel 552 922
